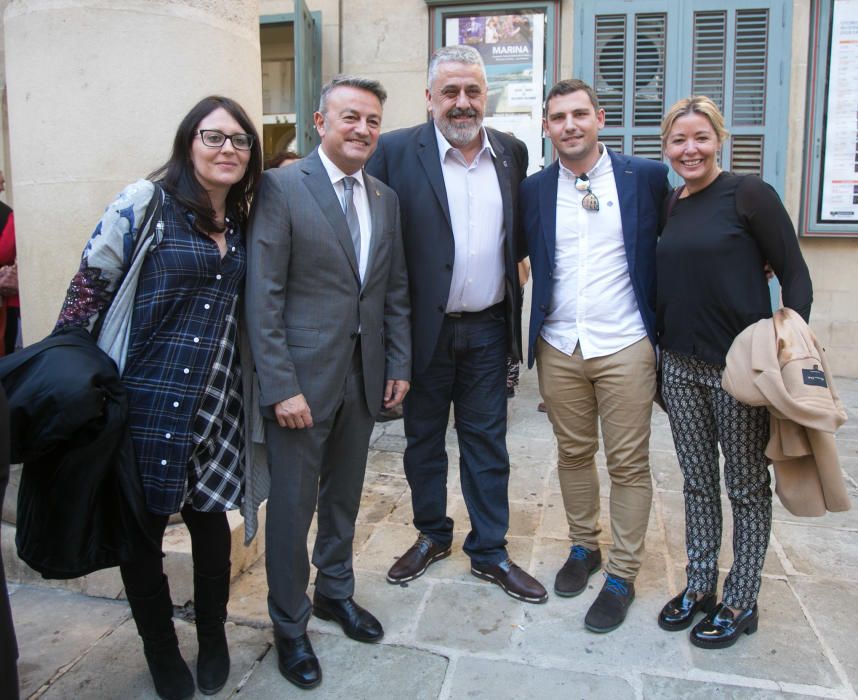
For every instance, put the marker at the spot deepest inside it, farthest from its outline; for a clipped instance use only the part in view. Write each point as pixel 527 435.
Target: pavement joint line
pixel 670 563
pixel 65 668
pixel 246 677
pixel 356 556
pixel 735 681
pixel 817 525
pixel 774 543
pixel 444 693
pixel 817 691
pixel 829 653
pixel 411 628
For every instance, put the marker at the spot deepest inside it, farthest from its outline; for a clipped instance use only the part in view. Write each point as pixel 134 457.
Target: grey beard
pixel 458 135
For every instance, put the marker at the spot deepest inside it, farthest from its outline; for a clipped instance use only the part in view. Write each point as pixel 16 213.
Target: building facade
pixel 781 71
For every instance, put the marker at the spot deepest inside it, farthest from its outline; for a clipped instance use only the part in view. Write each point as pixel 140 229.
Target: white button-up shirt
pixel 361 200
pixel 476 213
pixel 593 302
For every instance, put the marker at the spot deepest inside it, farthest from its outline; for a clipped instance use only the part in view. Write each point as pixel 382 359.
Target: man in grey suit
pixel 328 315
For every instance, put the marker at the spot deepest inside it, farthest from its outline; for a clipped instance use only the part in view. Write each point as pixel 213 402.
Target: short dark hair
pixel 354 81
pixel 177 175
pixel 565 87
pixel 281 157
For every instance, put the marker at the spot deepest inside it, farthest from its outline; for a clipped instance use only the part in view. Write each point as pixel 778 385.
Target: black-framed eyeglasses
pixel 590 201
pixel 215 139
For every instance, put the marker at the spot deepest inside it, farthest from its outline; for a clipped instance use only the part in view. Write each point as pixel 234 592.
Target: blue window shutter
pixel 307 77
pixel 644 56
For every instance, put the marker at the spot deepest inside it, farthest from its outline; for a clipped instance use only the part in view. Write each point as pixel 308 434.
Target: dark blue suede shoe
pixel 572 579
pixel 611 605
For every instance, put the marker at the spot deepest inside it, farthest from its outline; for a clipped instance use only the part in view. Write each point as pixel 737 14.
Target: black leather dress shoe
pixel 722 627
pixel 297 661
pixel 679 612
pixel 357 623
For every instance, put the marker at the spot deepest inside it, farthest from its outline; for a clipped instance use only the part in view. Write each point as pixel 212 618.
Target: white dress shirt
pixel 361 200
pixel 476 213
pixel 593 302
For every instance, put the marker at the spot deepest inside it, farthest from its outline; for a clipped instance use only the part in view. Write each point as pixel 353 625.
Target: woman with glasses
pixel 721 230
pixel 182 369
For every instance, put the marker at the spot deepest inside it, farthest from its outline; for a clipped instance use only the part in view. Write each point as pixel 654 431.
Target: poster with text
pixel 513 49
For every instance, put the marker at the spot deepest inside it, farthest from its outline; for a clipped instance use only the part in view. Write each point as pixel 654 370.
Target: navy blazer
pixel 407 161
pixel 642 187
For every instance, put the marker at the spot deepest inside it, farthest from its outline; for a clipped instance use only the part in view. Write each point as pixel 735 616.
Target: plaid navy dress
pixel 182 371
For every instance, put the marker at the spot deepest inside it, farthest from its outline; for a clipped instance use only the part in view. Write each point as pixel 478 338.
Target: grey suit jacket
pixel 304 299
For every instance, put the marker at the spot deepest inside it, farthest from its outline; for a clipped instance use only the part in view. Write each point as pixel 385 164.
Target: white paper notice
pixel 840 165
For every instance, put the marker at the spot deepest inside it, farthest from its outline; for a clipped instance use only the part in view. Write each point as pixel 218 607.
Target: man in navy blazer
pixel 457 184
pixel 592 221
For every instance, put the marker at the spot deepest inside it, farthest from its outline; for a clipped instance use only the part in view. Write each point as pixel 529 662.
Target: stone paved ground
pixel 451 636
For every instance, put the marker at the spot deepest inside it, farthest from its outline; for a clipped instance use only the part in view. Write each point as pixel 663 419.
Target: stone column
pixel 96 89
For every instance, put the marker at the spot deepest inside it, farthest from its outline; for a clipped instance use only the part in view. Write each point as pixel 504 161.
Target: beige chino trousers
pixel 617 391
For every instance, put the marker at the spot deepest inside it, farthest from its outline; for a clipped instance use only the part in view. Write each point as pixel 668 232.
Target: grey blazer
pixel 304 300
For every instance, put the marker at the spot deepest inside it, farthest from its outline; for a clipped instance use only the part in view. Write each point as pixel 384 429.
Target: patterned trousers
pixel 702 417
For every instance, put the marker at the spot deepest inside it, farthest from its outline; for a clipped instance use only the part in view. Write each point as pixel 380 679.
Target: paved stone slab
pixel 481 678
pixel 830 604
pixel 355 671
pixel 469 617
pixel 380 496
pixel 554 634
pixel 381 462
pixel 665 470
pixel 54 627
pixel 819 551
pixel 657 688
pixel 390 443
pixel 116 667
pixel 248 596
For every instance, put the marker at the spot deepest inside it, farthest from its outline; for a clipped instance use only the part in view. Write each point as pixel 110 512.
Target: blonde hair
pixel 696 104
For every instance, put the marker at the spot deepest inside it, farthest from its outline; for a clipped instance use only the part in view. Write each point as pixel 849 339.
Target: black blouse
pixel 710 259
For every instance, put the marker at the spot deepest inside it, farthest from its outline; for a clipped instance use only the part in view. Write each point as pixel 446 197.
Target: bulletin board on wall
pixel 518 45
pixel 830 192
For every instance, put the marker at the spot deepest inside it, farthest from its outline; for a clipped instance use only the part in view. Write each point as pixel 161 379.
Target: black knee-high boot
pixel 153 616
pixel 211 594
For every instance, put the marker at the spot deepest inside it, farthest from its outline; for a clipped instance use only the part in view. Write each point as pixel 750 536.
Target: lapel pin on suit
pixel 377 193
pixel 505 163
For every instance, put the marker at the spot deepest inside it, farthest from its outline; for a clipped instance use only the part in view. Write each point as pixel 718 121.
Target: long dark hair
pixel 177 174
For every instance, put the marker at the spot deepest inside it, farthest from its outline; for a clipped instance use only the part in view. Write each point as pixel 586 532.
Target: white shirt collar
pixel 595 170
pixel 444 146
pixel 334 173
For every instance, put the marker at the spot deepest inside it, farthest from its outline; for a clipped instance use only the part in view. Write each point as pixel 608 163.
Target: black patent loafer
pixel 679 612
pixel 721 628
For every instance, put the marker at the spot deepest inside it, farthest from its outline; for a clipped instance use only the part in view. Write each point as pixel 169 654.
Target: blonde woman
pixel 721 230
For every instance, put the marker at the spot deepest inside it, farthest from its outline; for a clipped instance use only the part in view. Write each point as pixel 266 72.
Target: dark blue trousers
pixel 468 370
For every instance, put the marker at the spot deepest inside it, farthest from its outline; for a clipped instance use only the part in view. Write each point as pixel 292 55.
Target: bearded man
pixel 457 183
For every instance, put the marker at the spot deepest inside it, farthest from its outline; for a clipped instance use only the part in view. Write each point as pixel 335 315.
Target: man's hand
pixel 394 391
pixel 294 413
